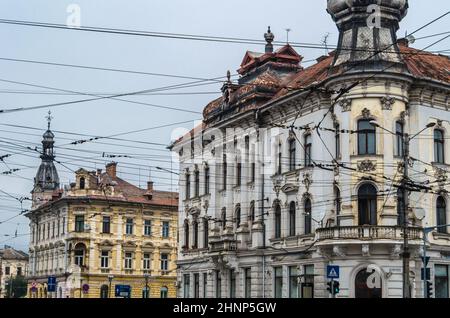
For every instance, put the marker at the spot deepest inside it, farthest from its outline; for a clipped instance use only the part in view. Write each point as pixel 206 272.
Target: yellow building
pixel 102 237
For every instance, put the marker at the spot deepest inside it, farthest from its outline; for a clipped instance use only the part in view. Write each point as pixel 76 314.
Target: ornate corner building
pixel 100 237
pixel 295 168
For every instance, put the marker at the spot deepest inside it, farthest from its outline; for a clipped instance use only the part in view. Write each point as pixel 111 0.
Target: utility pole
pixel 405 208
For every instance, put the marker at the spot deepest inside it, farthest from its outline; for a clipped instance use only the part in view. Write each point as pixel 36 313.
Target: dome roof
pixel 334 7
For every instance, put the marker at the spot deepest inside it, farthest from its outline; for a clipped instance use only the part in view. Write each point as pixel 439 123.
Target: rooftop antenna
pixel 287 34
pixel 325 42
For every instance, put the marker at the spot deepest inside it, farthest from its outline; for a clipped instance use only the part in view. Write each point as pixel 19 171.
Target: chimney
pixel 99 172
pixel 111 169
pixel 150 186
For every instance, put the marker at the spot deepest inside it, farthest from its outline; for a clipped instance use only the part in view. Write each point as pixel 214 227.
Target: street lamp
pixel 110 278
pixel 146 277
pixel 406 139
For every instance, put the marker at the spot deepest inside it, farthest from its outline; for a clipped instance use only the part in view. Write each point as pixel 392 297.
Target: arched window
pixel 308 150
pixel 252 211
pixel 441 214
pixel 399 130
pixel 205 233
pixel 79 253
pixel 308 216
pixel 277 221
pixel 224 218
pixel 195 232
pixel 367 205
pixel 337 203
pixel 238 216
pixel 164 292
pixel 337 141
pixel 400 209
pixel 292 152
pixel 366 138
pixel 104 291
pixel 186 233
pixel 439 155
pixel 292 219
pixel 82 183
pixel 224 172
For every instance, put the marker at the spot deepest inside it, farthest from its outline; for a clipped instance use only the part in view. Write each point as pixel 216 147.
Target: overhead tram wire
pixel 179 36
pixel 98 98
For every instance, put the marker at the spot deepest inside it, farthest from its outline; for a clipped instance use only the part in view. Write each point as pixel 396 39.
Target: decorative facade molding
pixel 366 113
pixel 346 105
pixel 387 102
pixel 367 166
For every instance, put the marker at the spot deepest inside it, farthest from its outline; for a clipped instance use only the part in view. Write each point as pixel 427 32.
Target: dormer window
pixel 82 183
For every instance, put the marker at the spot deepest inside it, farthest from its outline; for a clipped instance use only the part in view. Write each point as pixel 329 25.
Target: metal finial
pixel 49 119
pixel 269 37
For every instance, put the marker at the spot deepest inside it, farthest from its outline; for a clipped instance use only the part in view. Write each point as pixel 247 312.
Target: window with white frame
pixel 104 259
pixel 128 260
pixel 146 261
pixel 147 227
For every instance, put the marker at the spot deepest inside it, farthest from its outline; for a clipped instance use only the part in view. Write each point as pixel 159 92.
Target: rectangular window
pixel 165 229
pixel 19 271
pixel 205 285
pixel 224 173
pixel 441 281
pixel 79 223
pixel 278 292
pixel 293 282
pixel 292 153
pixel 164 262
pixel 7 270
pixel 366 138
pixel 104 259
pixel 232 283
pixel 147 227
pixel 253 172
pixel 129 227
pixel 308 282
pixel 337 141
pixel 187 285
pixel 238 174
pixel 196 285
pixel 207 180
pixel 218 285
pixel 106 225
pixel 58 231
pixel 308 151
pixel 146 261
pixel 248 282
pixel 188 187
pixel 53 229
pixel 439 146
pixel 399 138
pixel 128 260
pixel 197 184
pixel 48 230
pixel 64 225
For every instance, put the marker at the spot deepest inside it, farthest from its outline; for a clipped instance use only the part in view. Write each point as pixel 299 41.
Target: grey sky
pixel 244 19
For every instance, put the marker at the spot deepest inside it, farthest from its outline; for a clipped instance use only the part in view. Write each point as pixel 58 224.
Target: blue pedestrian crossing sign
pixel 332 271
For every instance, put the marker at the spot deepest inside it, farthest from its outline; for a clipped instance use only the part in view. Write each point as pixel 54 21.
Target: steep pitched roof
pixel 11 254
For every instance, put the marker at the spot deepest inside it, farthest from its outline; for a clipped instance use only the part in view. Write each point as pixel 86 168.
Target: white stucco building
pixel 288 174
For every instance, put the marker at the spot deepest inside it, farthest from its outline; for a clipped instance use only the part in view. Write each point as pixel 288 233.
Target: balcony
pixel 367 233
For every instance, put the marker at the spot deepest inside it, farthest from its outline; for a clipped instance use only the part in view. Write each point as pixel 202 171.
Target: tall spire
pixel 47 179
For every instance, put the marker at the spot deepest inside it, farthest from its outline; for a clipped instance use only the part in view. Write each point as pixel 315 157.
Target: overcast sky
pixel 307 19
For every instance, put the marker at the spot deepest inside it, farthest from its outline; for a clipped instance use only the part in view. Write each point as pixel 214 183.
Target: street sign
pixel 51 284
pixel 332 271
pixel 422 274
pixel 123 291
pixel 85 288
pixel 34 289
pixel 425 260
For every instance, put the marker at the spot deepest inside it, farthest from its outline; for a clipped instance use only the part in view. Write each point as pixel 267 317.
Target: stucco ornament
pixel 346 104
pixel 367 165
pixel 387 102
